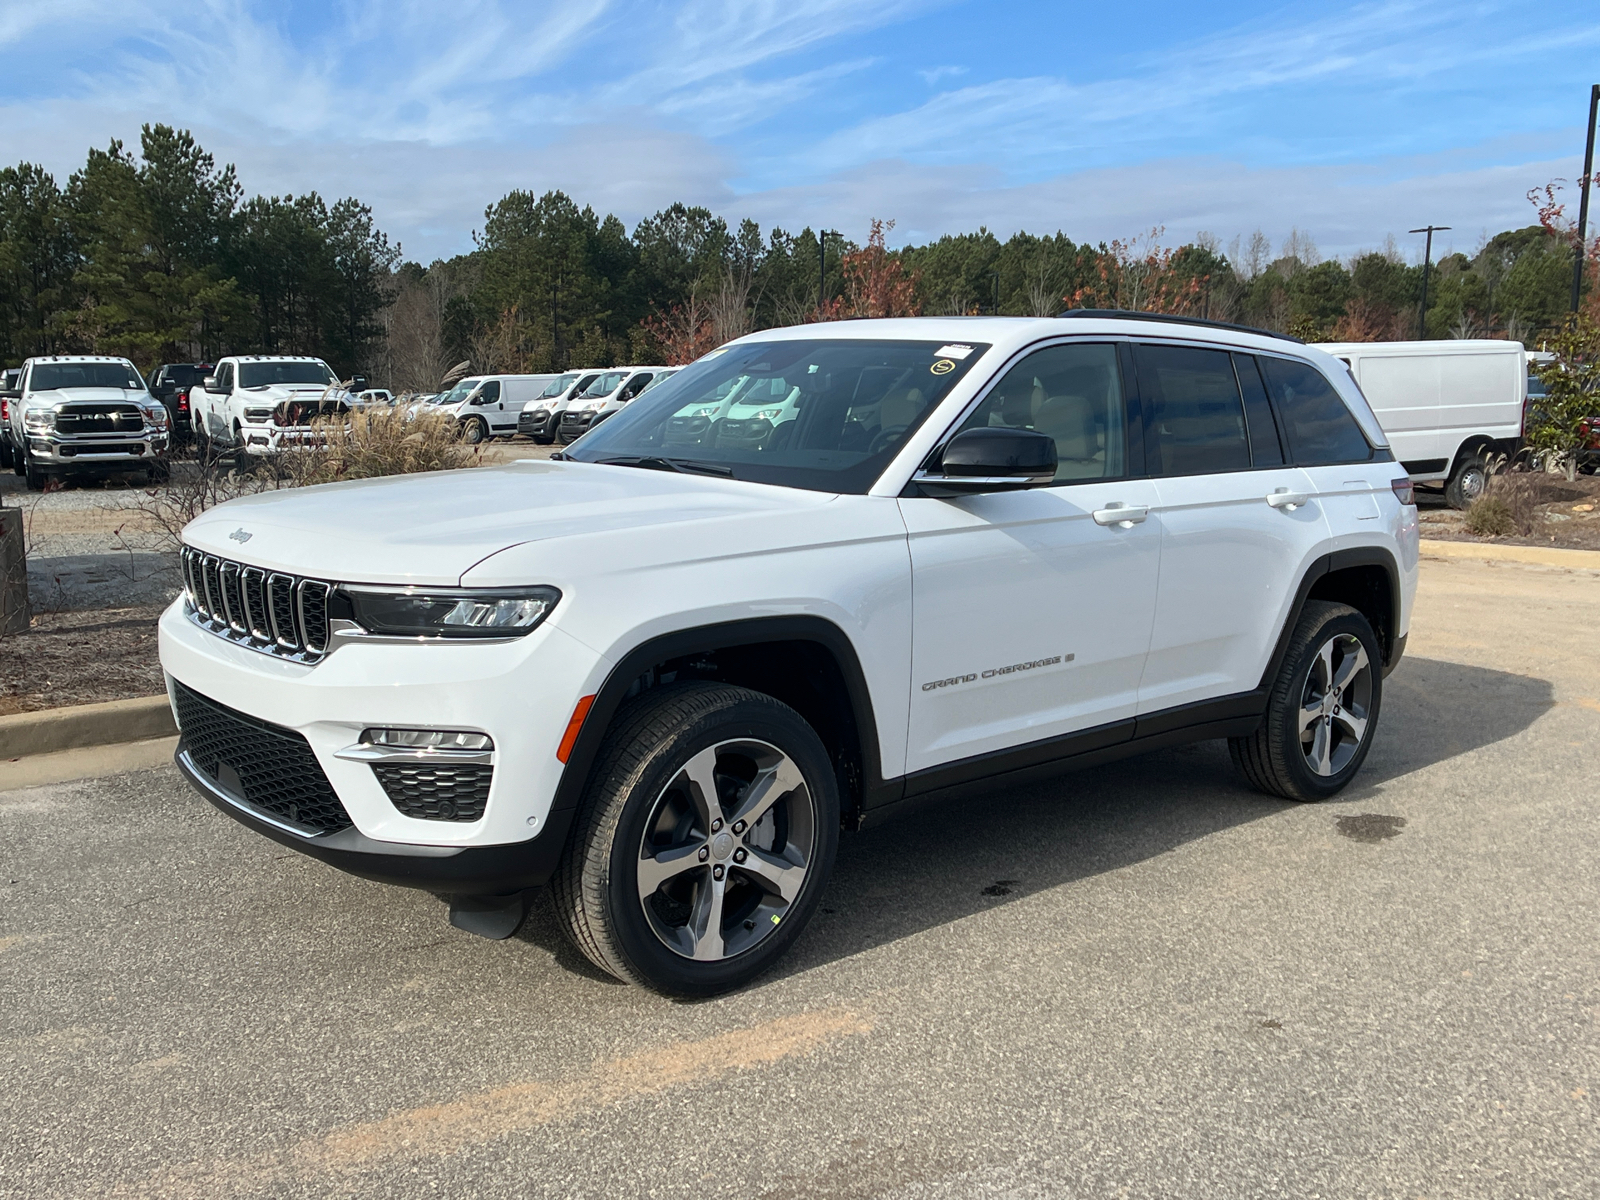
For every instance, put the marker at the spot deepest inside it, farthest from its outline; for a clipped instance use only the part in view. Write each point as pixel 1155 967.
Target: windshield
pixel 849 403
pixel 558 385
pixel 265 374
pixel 456 394
pixel 47 377
pixel 603 385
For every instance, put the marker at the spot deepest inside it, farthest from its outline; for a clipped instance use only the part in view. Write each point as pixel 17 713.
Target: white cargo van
pixel 486 406
pixel 1446 406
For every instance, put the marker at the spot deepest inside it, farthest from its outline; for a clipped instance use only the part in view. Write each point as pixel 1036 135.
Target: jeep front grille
pixel 274 613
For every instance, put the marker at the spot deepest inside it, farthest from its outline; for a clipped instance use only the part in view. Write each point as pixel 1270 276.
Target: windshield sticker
pixel 943 367
pixel 953 351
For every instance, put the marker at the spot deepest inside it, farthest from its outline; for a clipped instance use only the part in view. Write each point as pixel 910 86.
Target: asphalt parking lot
pixel 1136 981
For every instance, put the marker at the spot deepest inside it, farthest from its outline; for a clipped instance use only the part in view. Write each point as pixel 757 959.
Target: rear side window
pixel 1265 448
pixel 1320 428
pixel 1072 393
pixel 1194 422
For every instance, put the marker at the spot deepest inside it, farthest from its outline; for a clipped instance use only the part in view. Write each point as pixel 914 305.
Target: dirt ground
pixel 80 658
pixel 1568 515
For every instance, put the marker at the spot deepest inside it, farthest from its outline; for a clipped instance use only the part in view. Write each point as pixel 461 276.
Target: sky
pixel 1351 123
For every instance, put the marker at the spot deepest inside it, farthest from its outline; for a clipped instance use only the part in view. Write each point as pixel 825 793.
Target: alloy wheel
pixel 726 850
pixel 1335 705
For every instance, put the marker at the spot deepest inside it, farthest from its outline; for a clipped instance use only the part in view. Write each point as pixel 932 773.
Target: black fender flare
pixel 722 635
pixel 1338 560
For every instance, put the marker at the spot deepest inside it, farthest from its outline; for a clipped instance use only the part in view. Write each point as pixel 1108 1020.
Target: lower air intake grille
pixel 436 791
pixel 268 767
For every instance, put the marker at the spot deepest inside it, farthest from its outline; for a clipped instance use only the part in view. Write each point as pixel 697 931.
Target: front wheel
pixel 1322 709
pixel 474 432
pixel 706 837
pixel 37 478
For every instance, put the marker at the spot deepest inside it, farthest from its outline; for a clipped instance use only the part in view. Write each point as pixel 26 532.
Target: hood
pixel 433 528
pixel 89 395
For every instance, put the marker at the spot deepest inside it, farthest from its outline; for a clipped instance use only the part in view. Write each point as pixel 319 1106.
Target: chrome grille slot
pixel 232 601
pixel 280 609
pixel 209 567
pixel 270 612
pixel 314 614
pixel 253 582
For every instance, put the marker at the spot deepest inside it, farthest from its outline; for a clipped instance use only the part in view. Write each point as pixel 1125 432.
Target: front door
pixel 1033 609
pixel 1239 524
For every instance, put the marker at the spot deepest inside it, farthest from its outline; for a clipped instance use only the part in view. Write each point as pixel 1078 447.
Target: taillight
pixel 183 400
pixel 1403 491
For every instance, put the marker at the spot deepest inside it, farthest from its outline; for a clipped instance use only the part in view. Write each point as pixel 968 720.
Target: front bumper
pixel 74 452
pixel 575 424
pixel 541 423
pixel 521 693
pixel 447 870
pixel 262 440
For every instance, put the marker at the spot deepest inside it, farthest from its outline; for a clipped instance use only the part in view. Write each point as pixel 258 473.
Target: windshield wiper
pixel 684 466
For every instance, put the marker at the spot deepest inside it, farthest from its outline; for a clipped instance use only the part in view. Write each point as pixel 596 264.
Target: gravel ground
pixel 1569 517
pixel 1136 981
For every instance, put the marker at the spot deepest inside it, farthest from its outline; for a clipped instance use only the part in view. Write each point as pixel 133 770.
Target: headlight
pixel 258 414
pixel 452 612
pixel 156 415
pixel 768 414
pixel 39 420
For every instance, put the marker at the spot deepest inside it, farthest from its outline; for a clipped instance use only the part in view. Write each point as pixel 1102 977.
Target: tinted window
pixel 820 413
pixel 1072 393
pixel 1194 420
pixel 1265 449
pixel 47 377
pixel 1320 427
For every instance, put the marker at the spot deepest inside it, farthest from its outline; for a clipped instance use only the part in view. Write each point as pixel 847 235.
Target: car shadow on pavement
pixel 952 859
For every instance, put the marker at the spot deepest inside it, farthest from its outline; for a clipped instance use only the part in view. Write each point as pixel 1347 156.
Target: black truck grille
pixel 99 418
pixel 269 768
pixel 436 791
pixel 270 612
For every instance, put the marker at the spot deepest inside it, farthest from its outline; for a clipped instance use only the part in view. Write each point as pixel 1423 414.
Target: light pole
pixel 822 264
pixel 1427 266
pixel 1583 203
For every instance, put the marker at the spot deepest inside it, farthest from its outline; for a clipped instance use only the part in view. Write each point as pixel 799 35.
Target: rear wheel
pixel 1467 482
pixel 1322 710
pixel 705 840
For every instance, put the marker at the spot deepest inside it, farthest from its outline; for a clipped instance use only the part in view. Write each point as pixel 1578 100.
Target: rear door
pixel 1239 526
pixel 1033 609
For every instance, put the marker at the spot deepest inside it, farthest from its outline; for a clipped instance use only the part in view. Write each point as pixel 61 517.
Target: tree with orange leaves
pixel 876 283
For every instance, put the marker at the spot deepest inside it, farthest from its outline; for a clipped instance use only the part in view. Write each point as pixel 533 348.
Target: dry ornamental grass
pixel 368 443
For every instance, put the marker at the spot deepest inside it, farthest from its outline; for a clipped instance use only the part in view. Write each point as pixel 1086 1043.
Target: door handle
pixel 1286 500
pixel 1124 516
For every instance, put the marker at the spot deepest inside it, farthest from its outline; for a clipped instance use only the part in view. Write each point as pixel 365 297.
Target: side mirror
pixel 991 460
pixel 210 384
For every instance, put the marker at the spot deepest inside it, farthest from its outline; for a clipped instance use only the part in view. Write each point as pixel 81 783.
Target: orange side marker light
pixel 570 738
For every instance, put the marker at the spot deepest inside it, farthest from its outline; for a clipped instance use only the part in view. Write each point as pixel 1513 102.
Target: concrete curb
pixel 1588 560
pixel 113 722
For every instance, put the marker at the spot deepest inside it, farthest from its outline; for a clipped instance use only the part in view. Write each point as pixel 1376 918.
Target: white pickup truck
pixel 259 404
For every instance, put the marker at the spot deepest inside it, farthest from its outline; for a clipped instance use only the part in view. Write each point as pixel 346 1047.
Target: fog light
pixel 428 739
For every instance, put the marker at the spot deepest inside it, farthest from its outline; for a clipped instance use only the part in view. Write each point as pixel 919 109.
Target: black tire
pixel 38 479
pixel 638 789
pixel 5 453
pixel 1468 481
pixel 1276 759
pixel 544 440
pixel 474 432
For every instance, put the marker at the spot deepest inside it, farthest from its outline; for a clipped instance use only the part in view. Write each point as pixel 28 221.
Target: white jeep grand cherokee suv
pixel 662 673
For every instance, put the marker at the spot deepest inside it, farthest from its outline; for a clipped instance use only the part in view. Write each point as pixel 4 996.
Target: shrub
pixel 378 441
pixel 1490 516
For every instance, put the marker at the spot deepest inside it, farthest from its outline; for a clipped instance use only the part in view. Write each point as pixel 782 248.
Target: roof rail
pixel 1121 314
